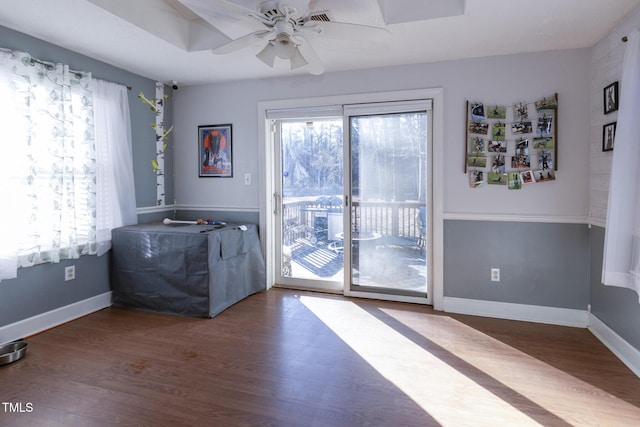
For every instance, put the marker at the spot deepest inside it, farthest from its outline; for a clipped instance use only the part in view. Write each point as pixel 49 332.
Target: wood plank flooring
pixel 292 358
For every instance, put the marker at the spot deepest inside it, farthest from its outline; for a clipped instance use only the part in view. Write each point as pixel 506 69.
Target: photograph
pixel 515 183
pixel 497 112
pixel 521 127
pixel 497 146
pixel 611 98
pixel 494 178
pixel 520 162
pixel 543 143
pixel 527 177
pixel 522 147
pixel 545 175
pixel 546 104
pixel 545 125
pixel 520 112
pixel 479 128
pixel 608 136
pixel 214 151
pixel 477 111
pixel 476 178
pixel 545 160
pixel 498 132
pixel 478 145
pixel 497 163
pixel 477 161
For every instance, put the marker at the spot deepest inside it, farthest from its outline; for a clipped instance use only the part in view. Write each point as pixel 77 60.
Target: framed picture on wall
pixel 214 151
pixel 608 136
pixel 611 98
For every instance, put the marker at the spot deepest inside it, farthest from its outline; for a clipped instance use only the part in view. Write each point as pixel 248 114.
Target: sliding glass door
pixel 352 199
pixel 388 178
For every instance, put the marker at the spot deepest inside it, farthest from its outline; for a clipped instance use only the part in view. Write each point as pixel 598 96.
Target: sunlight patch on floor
pixel 419 374
pixel 517 370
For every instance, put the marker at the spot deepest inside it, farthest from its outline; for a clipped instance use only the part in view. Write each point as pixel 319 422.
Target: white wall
pixel 606 68
pixel 501 80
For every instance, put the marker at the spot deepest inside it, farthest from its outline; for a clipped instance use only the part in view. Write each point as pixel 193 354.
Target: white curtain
pixel 621 262
pixel 116 204
pixel 13 157
pixel 48 165
pixel 60 198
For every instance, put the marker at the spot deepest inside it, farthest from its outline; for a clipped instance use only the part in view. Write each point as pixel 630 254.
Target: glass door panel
pixel 311 203
pixel 388 214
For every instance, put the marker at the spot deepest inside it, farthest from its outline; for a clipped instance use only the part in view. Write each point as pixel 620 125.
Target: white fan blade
pixel 231 19
pixel 309 54
pixel 346 31
pixel 216 7
pixel 297 60
pixel 252 39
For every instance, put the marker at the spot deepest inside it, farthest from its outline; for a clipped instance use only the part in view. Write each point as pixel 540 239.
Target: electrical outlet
pixel 247 179
pixel 69 273
pixel 495 274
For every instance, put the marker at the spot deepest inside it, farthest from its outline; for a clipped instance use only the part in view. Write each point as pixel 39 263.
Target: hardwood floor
pixel 291 358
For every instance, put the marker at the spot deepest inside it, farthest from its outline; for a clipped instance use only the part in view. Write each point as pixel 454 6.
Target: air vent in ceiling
pixel 322 16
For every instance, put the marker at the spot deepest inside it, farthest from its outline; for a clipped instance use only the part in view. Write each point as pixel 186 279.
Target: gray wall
pixel 42 288
pixel 540 264
pixel 617 307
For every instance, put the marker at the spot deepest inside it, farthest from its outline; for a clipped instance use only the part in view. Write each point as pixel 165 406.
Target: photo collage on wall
pixel 513 145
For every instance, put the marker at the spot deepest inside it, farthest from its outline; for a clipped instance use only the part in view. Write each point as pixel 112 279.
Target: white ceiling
pixel 165 41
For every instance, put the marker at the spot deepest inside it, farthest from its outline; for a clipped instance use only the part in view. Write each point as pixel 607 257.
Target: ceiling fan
pixel 284 29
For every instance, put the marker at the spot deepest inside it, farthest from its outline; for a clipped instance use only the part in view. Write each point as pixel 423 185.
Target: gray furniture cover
pixel 193 270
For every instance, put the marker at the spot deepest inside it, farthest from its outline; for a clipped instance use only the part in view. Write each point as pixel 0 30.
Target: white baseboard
pixel 628 354
pixel 527 313
pixel 50 319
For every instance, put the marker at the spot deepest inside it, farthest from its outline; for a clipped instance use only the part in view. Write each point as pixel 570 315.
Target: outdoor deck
pixel 394 259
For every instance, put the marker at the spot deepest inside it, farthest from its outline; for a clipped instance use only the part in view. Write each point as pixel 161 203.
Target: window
pixel 52 158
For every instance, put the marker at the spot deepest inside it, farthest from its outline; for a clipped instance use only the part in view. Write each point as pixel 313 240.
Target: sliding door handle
pixel 276 204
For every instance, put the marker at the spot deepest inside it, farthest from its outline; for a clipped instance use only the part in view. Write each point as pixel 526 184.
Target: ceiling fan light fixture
pixel 285 48
pixel 283 39
pixel 297 60
pixel 268 54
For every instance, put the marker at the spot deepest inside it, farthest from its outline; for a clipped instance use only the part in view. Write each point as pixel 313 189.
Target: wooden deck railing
pixel 400 219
